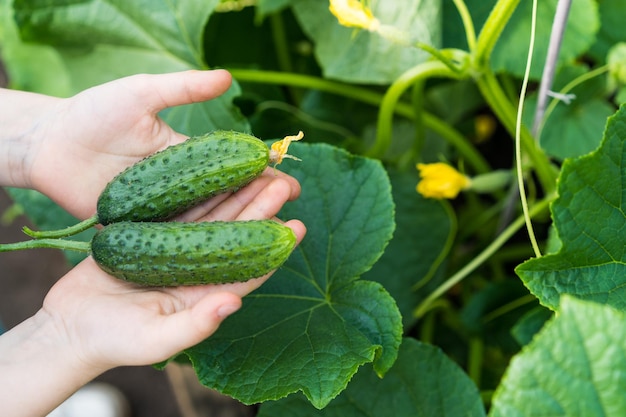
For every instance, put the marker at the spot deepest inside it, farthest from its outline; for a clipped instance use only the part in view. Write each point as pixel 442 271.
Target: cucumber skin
pixel 173 254
pixel 179 177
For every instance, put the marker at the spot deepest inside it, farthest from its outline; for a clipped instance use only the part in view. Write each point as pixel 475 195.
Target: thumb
pixel 192 325
pixel 160 91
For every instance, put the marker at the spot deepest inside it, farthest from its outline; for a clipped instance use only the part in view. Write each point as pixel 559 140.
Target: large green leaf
pixel 174 27
pixel 312 325
pixel 424 382
pixel 29 67
pixel 424 229
pixel 575 366
pixel 364 57
pixel 582 24
pixel 590 220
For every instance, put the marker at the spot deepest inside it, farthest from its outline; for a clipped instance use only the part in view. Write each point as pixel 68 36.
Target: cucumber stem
pixel 47 243
pixel 68 231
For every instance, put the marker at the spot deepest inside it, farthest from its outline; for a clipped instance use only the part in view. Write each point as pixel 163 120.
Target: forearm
pixel 37 369
pixel 22 117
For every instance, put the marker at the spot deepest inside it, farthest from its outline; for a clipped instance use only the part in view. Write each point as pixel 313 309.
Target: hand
pixel 91 137
pixel 109 322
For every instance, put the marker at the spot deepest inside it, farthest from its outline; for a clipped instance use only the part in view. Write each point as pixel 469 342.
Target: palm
pixel 108 128
pixel 111 322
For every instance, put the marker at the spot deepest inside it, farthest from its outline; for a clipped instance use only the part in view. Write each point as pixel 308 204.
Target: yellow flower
pixel 352 13
pixel 279 148
pixel 440 180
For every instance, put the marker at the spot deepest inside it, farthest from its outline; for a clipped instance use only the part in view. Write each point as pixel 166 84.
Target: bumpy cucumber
pixel 170 254
pixel 177 178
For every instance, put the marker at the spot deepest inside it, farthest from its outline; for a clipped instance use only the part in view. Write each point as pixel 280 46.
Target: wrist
pixel 37 361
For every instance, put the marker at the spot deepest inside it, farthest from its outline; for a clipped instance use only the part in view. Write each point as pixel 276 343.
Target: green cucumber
pixel 168 254
pixel 175 179
pixel 173 254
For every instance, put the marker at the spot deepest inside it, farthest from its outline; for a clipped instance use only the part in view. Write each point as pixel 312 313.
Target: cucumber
pixel 179 177
pixel 170 254
pixel 173 254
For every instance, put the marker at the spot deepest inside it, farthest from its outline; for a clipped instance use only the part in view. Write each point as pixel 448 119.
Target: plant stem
pixel 436 53
pixel 419 72
pixel 507 308
pixel 68 231
pixel 280 42
pixel 448 133
pixel 47 243
pixel 307 81
pixel 556 37
pixel 475 359
pixel 506 234
pixel 490 33
pixel 518 128
pixel 505 112
pixel 468 24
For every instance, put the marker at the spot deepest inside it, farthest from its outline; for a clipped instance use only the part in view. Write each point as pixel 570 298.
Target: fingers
pixel 159 91
pixel 261 199
pixel 189 326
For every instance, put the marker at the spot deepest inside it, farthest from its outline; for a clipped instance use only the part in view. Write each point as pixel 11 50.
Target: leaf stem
pixel 68 231
pixel 468 24
pixel 451 135
pixel 47 243
pixel 475 359
pixel 518 128
pixel 490 33
pixel 505 112
pixel 419 72
pixel 506 234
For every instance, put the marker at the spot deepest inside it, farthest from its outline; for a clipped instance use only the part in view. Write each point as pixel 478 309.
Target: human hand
pixel 94 135
pixel 107 322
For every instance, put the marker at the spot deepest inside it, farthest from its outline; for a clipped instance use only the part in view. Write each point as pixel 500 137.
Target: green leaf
pixel 99 41
pixel 573 129
pixel 424 229
pixel 312 325
pixel 590 221
pixel 582 25
pixel 171 27
pixel 30 67
pixel 493 310
pixel 363 57
pixel 424 382
pixel 612 18
pixel 530 324
pixel 574 367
